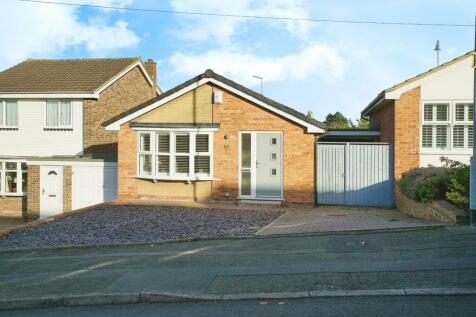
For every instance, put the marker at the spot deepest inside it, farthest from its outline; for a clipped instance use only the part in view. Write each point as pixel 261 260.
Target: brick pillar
pixel 33 191
pixel 67 188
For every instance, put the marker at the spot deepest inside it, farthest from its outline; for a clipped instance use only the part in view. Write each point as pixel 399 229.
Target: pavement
pixel 434 261
pixel 340 218
pixel 417 306
pixel 10 220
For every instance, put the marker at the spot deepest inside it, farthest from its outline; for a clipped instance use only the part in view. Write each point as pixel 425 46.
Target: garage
pixel 93 184
pixel 355 174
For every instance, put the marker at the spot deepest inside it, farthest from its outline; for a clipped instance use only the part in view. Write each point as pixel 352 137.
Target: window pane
pixel 163 142
pixel 427 136
pixel 470 136
pixel 202 165
pixel 246 183
pixel 12 166
pixel 11 114
pixel 441 112
pixel 11 180
pixel 1 185
pixel 145 142
pixel 24 182
pixel 441 136
pixel 459 112
pixel 1 112
pixel 182 143
pixel 201 143
pixel 65 113
pixel 181 164
pixel 458 136
pixel 145 164
pixel 246 150
pixel 24 167
pixel 428 113
pixel 52 113
pixel 470 111
pixel 163 164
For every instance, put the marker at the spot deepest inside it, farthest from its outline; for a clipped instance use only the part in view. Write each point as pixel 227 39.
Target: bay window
pixel 58 114
pixel 8 114
pixel 175 155
pixel 435 129
pixel 13 178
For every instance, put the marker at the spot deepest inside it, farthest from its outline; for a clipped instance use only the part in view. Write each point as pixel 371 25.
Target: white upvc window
pixel 8 114
pixel 58 114
pixel 463 126
pixel 13 178
pixel 173 154
pixel 435 126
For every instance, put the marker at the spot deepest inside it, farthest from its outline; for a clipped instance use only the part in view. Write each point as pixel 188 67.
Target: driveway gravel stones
pixel 139 224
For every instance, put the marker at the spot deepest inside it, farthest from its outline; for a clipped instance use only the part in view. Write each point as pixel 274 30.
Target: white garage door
pixel 93 185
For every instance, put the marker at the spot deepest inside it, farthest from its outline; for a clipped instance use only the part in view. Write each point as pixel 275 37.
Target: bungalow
pixel 428 116
pixel 210 138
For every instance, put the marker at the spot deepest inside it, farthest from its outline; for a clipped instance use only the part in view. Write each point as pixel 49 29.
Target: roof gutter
pixel 373 104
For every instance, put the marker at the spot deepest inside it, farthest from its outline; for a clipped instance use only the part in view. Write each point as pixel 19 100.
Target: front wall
pixel 12 203
pixel 234 115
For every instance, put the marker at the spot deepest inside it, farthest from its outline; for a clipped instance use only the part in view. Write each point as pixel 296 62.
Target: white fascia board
pixel 310 127
pixel 125 71
pixel 71 163
pixel 116 125
pixel 53 95
pixel 197 129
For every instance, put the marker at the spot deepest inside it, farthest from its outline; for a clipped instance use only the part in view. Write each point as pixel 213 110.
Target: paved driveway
pixel 340 218
pixel 10 219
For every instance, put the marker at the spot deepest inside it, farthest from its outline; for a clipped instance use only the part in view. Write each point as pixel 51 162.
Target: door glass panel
pixel 246 150
pixel 246 183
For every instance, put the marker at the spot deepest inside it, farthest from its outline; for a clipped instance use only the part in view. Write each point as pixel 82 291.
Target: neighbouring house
pixel 55 155
pixel 210 138
pixel 428 116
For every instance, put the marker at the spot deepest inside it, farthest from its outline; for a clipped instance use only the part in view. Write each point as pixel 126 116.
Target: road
pixel 344 307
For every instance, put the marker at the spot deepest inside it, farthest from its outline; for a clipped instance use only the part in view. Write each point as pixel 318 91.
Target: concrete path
pixel 340 218
pixel 401 263
pixel 10 220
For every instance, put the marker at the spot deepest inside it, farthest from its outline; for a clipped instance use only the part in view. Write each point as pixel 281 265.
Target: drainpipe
pixel 472 198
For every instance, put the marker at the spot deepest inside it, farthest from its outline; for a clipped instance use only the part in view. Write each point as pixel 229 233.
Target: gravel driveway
pixel 139 224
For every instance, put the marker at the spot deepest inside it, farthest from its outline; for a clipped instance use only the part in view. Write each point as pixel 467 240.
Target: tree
pixel 337 121
pixel 309 114
pixel 362 124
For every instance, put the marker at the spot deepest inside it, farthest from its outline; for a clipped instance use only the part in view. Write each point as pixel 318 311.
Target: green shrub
pixel 458 183
pixel 424 183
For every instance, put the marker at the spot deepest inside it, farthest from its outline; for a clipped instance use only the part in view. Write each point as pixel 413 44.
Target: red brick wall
pixel 127 92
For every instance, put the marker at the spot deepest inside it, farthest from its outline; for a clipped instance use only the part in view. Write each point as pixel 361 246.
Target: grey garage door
pixel 355 174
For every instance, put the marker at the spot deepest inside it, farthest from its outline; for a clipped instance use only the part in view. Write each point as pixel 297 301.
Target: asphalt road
pixel 344 307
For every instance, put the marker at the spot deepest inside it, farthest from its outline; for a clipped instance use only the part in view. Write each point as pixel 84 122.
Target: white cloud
pixel 38 30
pixel 222 29
pixel 315 59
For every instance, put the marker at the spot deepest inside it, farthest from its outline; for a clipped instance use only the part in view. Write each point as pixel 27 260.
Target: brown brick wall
pixel 33 198
pixel 399 124
pixel 129 91
pixel 67 189
pixel 234 115
pixel 13 203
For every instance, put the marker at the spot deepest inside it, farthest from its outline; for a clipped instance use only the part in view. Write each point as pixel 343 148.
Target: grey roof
pixel 211 74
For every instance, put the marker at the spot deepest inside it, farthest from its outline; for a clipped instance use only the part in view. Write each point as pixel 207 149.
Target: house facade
pixel 428 116
pixel 213 139
pixel 55 155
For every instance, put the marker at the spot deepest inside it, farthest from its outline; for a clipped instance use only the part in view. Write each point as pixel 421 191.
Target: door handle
pixel 257 163
pixel 43 191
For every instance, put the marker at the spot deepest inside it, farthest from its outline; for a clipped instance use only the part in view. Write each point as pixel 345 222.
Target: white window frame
pixel 450 149
pixel 3 109
pixel 172 154
pixel 466 123
pixel 58 126
pixel 3 177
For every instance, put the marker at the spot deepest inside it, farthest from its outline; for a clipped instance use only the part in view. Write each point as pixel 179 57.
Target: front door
pixel 261 165
pixel 51 191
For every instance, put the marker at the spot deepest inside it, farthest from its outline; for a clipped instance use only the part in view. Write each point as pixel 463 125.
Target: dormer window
pixel 58 114
pixel 8 114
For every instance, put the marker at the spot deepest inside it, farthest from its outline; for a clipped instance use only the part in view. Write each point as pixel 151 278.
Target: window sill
pixel 58 128
pixel 12 194
pixel 9 128
pixel 446 152
pixel 177 178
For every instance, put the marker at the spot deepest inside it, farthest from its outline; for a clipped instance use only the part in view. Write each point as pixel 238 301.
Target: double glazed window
pixel 175 154
pixel 13 178
pixel 58 114
pixel 446 127
pixel 8 114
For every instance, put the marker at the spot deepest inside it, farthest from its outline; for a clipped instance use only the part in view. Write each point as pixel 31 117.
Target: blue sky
pixel 321 67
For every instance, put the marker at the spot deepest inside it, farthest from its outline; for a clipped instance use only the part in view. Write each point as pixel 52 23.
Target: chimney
pixel 151 68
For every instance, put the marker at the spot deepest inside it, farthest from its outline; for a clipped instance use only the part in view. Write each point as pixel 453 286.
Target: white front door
pixel 51 191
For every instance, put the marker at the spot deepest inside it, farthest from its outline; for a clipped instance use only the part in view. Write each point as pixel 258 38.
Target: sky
pixel 316 66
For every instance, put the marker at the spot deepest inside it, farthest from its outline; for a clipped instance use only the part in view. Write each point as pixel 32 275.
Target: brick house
pixel 427 116
pixel 210 138
pixel 55 155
